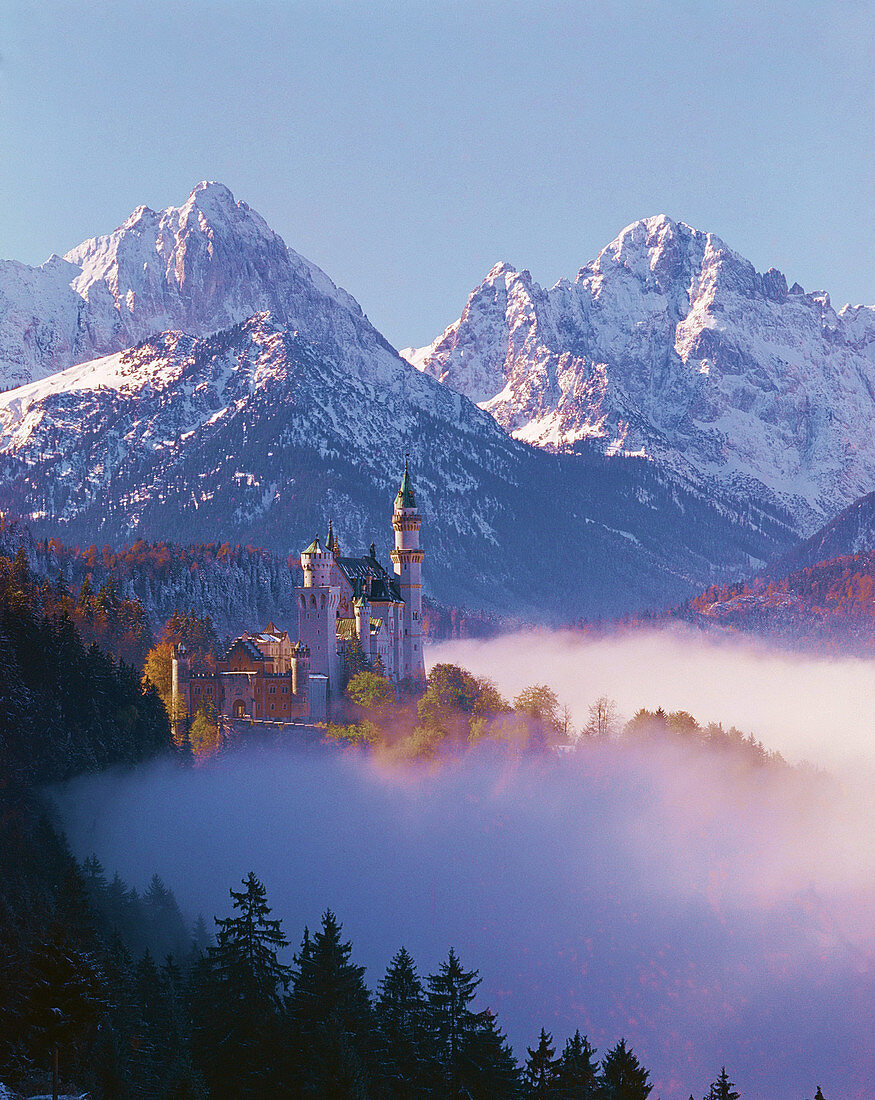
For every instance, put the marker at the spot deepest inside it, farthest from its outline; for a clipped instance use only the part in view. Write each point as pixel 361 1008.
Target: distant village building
pixel 349 608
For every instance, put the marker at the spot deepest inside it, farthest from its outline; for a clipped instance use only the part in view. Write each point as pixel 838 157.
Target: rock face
pixel 671 345
pixel 195 268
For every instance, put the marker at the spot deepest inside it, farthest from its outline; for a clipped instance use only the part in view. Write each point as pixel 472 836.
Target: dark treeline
pixel 65 707
pixel 229 1018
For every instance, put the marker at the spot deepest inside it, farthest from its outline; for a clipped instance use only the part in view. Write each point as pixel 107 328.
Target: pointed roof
pixel 331 541
pixel 405 493
pixel 313 548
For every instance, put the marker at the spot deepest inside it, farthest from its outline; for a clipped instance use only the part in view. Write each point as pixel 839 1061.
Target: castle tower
pixel 407 560
pixel 318 601
pixel 180 674
pixel 362 612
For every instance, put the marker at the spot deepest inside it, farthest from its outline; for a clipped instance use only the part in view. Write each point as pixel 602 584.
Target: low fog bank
pixel 812 708
pixel 710 914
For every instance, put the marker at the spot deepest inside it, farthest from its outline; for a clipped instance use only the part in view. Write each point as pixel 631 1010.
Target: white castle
pixel 344 598
pixel 345 604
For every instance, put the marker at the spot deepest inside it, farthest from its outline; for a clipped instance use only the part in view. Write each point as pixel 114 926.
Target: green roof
pixel 313 548
pixel 405 493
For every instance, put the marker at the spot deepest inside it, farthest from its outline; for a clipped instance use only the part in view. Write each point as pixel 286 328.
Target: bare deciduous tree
pixel 604 718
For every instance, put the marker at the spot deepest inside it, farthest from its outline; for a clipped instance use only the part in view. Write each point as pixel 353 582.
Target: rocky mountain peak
pixel 196 268
pixel 672 345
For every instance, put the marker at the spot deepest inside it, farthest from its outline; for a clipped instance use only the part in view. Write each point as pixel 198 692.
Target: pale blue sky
pixel 407 147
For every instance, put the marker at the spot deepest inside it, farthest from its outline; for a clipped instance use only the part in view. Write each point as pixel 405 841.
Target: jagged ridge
pixel 672 345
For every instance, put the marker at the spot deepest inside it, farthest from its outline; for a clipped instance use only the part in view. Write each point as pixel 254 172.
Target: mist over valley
pixel 708 910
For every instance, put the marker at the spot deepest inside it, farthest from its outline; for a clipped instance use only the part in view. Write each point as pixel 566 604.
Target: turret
pixel 180 671
pixel 317 565
pixel 362 611
pixel 318 600
pixel 407 561
pixel 299 671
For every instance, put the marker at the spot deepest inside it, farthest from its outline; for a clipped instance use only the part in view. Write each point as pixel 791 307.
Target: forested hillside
pixel 239 587
pixel 67 707
pixel 829 606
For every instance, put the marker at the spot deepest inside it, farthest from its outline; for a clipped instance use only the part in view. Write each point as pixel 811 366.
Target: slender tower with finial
pixel 407 560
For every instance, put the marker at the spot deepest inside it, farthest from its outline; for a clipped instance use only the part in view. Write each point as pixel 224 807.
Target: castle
pixel 350 610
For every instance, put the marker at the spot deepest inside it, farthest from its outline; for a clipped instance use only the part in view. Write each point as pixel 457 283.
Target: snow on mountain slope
pixel 196 268
pixel 256 434
pixel 671 345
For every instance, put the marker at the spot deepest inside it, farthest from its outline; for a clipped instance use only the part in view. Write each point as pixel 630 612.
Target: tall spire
pixel 405 497
pixel 331 543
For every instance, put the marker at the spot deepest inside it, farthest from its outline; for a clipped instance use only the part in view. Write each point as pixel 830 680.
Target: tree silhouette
pixel 541 1067
pixel 577 1073
pixel 623 1077
pixel 450 991
pixel 723 1088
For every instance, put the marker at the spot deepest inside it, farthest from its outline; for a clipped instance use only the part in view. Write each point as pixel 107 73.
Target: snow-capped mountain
pixel 671 345
pixel 256 434
pixel 218 386
pixel 195 268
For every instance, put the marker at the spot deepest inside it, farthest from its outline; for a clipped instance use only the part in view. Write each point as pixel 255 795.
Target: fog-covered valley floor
pixel 709 912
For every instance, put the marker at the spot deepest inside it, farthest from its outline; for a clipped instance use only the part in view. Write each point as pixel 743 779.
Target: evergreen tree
pixel 238 997
pixel 244 958
pixel 577 1072
pixel 168 934
pixel 723 1088
pixel 331 1018
pixel 623 1077
pixel 489 1069
pixel 355 660
pixel 403 1033
pixel 150 1037
pixel 450 991
pixel 541 1068
pixel 201 940
pixel 66 998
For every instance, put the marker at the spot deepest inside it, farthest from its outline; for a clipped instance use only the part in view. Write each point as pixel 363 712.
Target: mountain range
pixel 671 345
pixel 190 377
